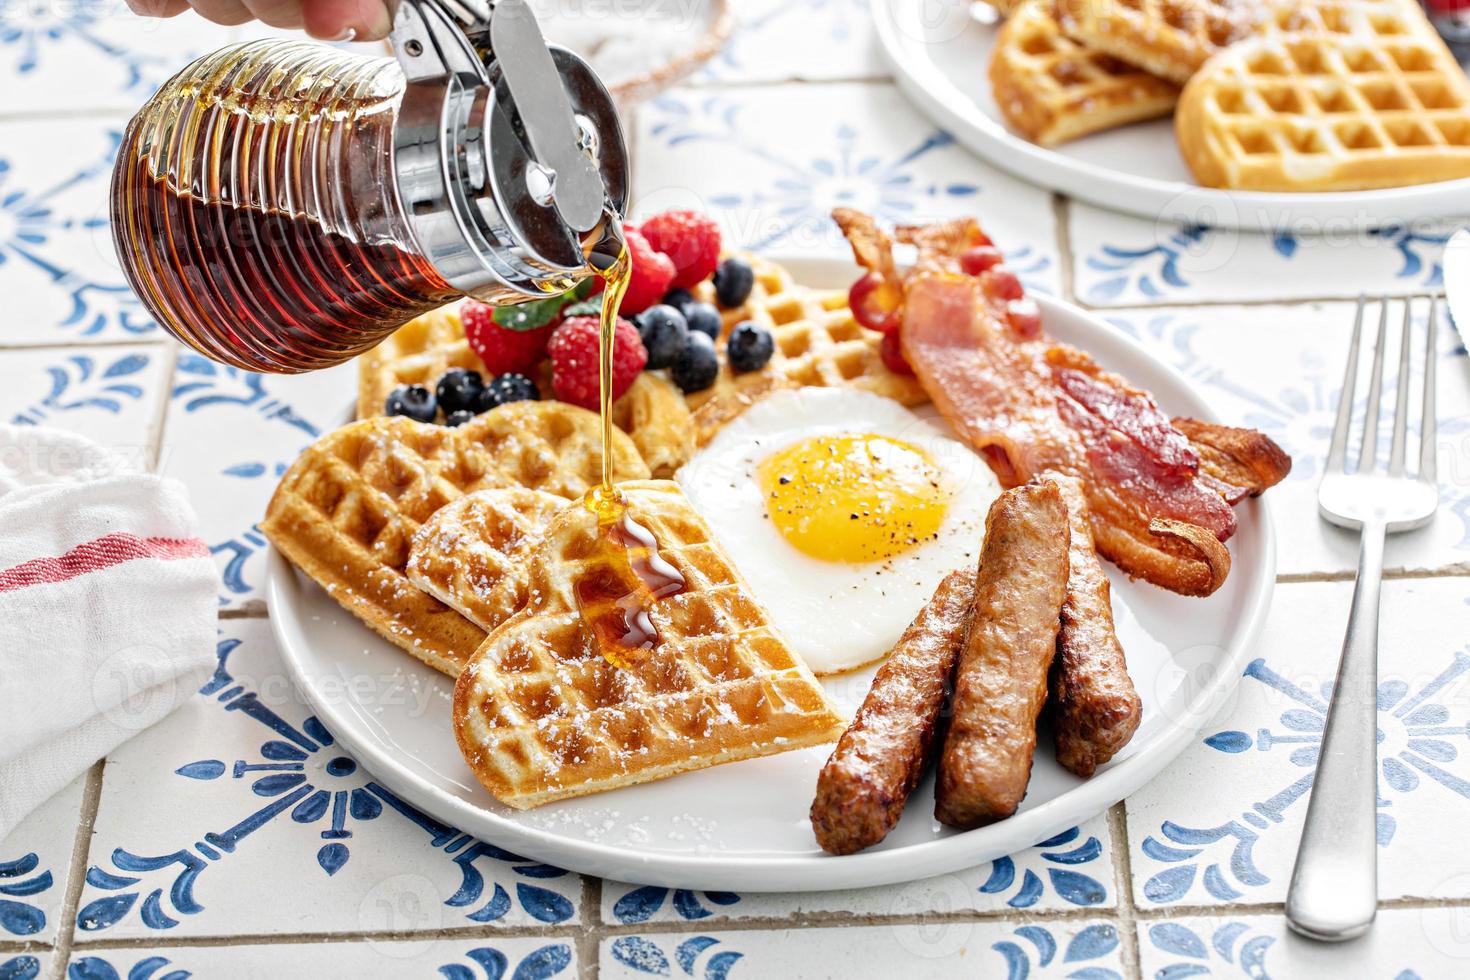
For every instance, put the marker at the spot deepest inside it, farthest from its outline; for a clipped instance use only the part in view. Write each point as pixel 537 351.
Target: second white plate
pixel 940 55
pixel 744 826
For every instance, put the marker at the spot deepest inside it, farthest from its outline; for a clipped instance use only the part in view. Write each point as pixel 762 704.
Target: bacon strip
pixel 1160 494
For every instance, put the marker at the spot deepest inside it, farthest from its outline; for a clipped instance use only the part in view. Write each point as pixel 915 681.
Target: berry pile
pixel 878 304
pixel 662 326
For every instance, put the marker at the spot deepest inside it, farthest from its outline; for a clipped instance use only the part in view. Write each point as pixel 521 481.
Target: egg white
pixel 836 615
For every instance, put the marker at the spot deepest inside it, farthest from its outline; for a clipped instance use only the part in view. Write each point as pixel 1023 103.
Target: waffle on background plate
pixel 540 714
pixel 1279 95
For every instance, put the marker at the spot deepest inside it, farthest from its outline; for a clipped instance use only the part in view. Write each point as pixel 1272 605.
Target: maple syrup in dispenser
pixel 283 206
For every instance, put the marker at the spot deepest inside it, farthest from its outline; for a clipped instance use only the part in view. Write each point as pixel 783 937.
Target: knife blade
pixel 1456 265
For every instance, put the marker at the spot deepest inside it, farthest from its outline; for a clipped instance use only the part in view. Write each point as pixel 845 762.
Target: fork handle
pixel 1334 886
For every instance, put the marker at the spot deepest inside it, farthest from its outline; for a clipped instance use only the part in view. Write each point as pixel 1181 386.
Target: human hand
pixel 329 20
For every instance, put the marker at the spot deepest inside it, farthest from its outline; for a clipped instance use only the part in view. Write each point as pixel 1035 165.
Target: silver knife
pixel 1456 265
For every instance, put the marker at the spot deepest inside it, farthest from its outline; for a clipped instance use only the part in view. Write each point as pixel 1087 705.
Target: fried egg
pixel 843 510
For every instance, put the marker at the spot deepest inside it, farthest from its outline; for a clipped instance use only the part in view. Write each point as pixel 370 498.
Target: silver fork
pixel 1334 886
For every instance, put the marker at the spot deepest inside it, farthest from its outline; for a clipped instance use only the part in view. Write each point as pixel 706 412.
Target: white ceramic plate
pixel 744 826
pixel 940 53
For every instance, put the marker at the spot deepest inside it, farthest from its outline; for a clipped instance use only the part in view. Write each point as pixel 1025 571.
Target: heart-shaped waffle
pixel 346 511
pixel 541 714
pixel 471 554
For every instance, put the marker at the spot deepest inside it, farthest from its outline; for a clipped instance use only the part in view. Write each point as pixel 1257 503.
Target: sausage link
pixel 1000 680
pixel 882 755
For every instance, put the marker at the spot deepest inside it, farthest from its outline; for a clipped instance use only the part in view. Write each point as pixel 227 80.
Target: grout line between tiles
pixel 587 943
pixel 160 413
pixel 1062 217
pixel 85 344
pixel 254 609
pixel 80 851
pixel 706 84
pixel 1123 882
pixel 1242 303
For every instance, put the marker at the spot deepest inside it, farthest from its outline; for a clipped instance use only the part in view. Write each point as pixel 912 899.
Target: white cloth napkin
pixel 107 609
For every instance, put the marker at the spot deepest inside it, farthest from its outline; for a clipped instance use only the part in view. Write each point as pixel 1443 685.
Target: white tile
pixel 937 949
pixel 1291 395
pixel 229 437
pixel 28 965
pixel 43 46
pixel 238 815
pixel 59 273
pixel 1120 260
pixel 814 40
pixel 108 394
pixel 1071 870
pixel 540 958
pixel 1222 823
pixel 771 163
pixel 1404 944
pixel 35 866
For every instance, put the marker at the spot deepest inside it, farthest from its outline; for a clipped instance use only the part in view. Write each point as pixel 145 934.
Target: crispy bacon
pixel 1160 490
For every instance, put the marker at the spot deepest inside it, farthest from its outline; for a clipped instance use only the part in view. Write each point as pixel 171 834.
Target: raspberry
pixel 691 239
pixel 503 350
pixel 573 350
pixel 652 273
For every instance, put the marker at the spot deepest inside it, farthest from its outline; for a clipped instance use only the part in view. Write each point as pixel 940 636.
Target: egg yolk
pixel 853 498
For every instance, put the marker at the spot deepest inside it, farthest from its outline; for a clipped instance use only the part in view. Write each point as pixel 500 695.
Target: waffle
pixel 540 714
pixel 1167 38
pixel 417 353
pixel 470 555
pixel 656 417
pixel 818 344
pixel 1051 89
pixel 347 510
pixel 1328 112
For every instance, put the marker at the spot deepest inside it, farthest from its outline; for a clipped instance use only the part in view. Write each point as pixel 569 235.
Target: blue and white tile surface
pixel 237 839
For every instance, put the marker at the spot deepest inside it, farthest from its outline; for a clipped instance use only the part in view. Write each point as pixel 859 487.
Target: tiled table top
pixel 235 839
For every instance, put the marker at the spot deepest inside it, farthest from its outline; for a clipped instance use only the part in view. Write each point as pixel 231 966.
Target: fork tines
pixel 1368 448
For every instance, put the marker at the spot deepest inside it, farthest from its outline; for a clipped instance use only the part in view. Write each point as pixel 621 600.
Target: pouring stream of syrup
pixel 626 574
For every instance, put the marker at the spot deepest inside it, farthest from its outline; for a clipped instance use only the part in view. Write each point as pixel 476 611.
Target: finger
pixel 276 13
pixel 228 13
pixel 158 8
pixel 330 20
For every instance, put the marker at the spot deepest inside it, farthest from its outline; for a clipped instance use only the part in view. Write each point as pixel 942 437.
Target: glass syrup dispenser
pixel 283 206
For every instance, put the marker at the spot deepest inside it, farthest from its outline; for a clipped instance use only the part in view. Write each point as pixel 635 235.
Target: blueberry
pixel 510 388
pixel 750 346
pixel 664 332
pixel 459 389
pixel 704 318
pixel 698 365
pixel 414 401
pixel 459 417
pixel 680 299
pixel 733 281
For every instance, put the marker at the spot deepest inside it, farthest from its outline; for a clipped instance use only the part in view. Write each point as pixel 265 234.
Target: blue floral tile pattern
pixel 1222 825
pixel 127 57
pixel 1080 950
pixel 35 865
pixel 1128 261
pixel 771 166
pixel 110 394
pixel 255 782
pixel 1403 945
pixel 25 966
pixel 1072 870
pixel 482 959
pixel 270 420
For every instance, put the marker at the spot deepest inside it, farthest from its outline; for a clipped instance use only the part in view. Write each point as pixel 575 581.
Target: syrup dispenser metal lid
pixel 508 150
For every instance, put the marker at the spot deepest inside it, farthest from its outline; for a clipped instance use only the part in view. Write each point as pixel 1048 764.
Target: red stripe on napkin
pixel 103 552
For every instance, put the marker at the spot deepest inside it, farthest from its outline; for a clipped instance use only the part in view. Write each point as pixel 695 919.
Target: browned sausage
pixel 1095 709
pixel 882 755
pixel 1000 680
